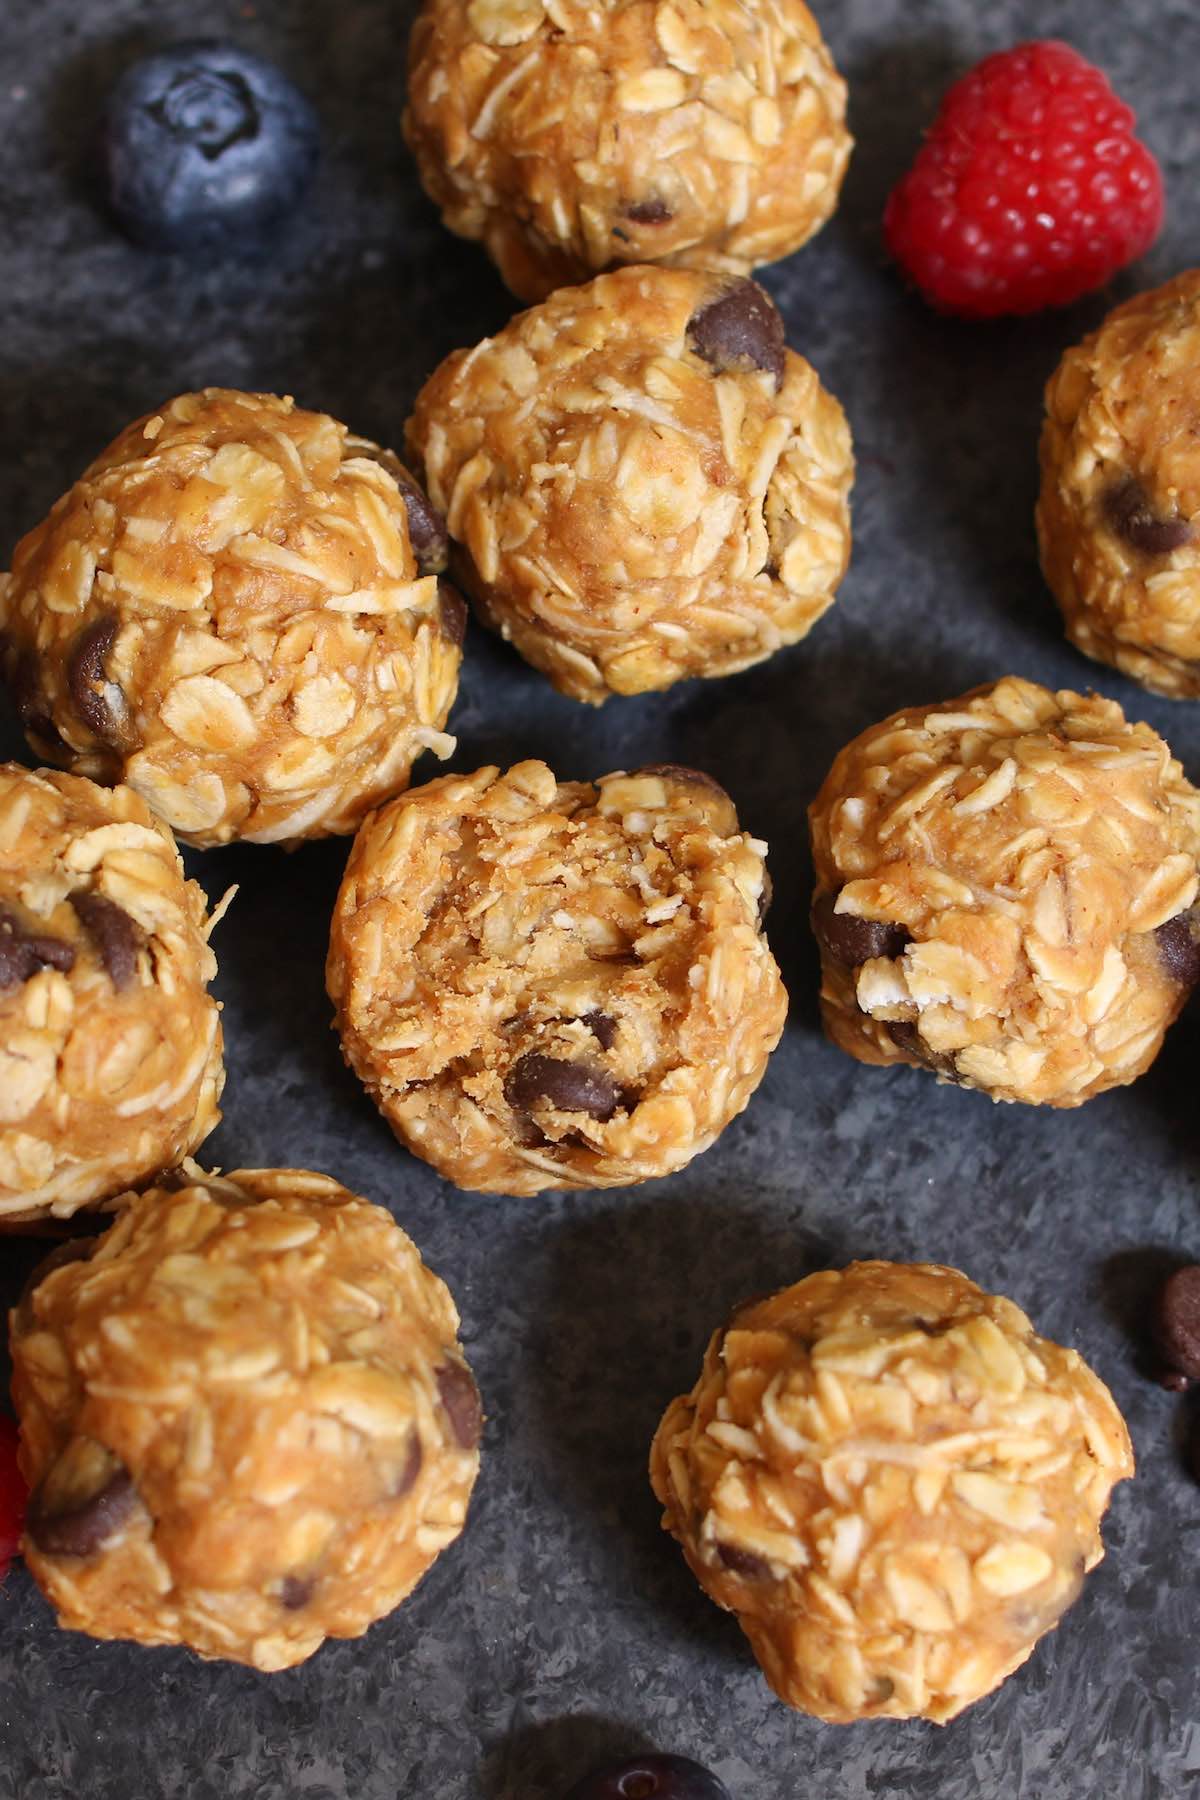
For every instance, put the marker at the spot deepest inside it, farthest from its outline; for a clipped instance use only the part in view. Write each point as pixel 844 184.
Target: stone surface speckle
pixel 564 1629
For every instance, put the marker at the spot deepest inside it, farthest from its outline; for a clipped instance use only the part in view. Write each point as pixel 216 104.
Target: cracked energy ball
pixel 1005 889
pixel 246 1420
pixel 1119 513
pixel 110 1043
pixel 894 1484
pixel 236 610
pixel 569 137
pixel 641 481
pixel 549 984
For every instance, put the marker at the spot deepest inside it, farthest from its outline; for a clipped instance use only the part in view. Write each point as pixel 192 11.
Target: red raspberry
pixel 1029 190
pixel 13 1494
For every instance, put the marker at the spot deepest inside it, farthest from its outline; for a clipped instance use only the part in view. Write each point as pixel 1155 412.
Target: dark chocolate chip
pixel 653 211
pixel 580 1086
pixel 1179 947
pixel 739 330
pixel 851 940
pixel 24 952
pixel 1177 1321
pixel 89 685
pixel 460 1397
pixel 765 898
pixel 744 1562
pixel 117 938
pixel 82 1530
pixel 452 613
pixel 426 527
pixel 1174 1382
pixel 905 1035
pixel 680 772
pixel 1129 512
pixel 33 709
pixel 411 1466
pixel 602 1026
pixel 296 1591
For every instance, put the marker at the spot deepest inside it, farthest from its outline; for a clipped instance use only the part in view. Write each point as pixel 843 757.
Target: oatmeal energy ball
pixel 245 1418
pixel 1119 514
pixel 1005 888
pixel 568 137
pixel 110 1044
pixel 549 984
pixel 236 610
pixel 895 1485
pixel 642 482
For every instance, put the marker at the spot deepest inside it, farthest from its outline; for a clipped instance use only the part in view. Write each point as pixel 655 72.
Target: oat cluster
pixel 551 984
pixel 227 612
pixel 110 1044
pixel 642 483
pixel 246 1419
pixel 1004 885
pixel 1119 513
pixel 893 1482
pixel 571 135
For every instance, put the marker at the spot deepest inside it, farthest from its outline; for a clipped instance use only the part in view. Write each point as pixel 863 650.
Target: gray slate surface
pixel 564 1627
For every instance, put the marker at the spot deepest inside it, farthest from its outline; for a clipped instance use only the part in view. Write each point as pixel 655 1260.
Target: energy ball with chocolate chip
pixel 569 137
pixel 237 610
pixel 110 1043
pixel 1119 514
pixel 642 482
pixel 1005 893
pixel 549 984
pixel 894 1484
pixel 246 1420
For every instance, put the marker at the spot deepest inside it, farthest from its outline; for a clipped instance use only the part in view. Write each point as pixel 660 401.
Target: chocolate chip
pixel 905 1035
pixel 296 1591
pixel 411 1466
pixel 82 1530
pixel 739 330
pixel 852 940
pixel 680 772
pixel 90 687
pixel 653 211
pixel 1129 512
pixel 460 1397
pixel 116 937
pixel 1177 1321
pixel 744 1562
pixel 1174 1382
pixel 452 613
pixel 33 709
pixel 426 527
pixel 765 898
pixel 1179 947
pixel 581 1086
pixel 603 1027
pixel 24 952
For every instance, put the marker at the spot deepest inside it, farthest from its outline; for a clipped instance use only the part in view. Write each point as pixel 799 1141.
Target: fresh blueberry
pixel 204 145
pixel 651 1778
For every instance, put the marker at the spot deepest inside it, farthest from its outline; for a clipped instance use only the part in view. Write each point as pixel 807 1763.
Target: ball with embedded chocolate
pixel 572 137
pixel 110 1043
pixel 237 610
pixel 893 1482
pixel 1119 513
pixel 1006 888
pixel 549 984
pixel 642 481
pixel 246 1420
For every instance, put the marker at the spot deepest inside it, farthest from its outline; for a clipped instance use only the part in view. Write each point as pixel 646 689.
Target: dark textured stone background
pixel 564 1627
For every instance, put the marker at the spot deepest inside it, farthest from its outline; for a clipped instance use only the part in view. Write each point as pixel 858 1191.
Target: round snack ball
pixel 1004 893
pixel 549 984
pixel 893 1482
pixel 1118 517
pixel 236 610
pixel 110 1043
pixel 246 1420
pixel 642 482
pixel 568 137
